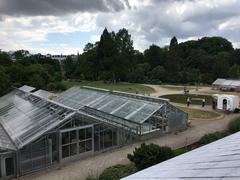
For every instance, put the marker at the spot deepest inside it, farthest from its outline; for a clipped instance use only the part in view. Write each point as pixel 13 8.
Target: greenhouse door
pixel 76 142
pixel 7 166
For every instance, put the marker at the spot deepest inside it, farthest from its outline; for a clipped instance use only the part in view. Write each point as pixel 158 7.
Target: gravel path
pixel 160 90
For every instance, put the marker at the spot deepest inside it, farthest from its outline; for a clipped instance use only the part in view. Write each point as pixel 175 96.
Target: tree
pixel 234 71
pixel 5 59
pixel 4 82
pixel 37 81
pixel 173 44
pixel 214 45
pixel 38 76
pixel 106 54
pixel 221 65
pixel 154 56
pixel 141 72
pixel 148 155
pixel 69 67
pixel 124 62
pixel 158 73
pixel 17 73
pixel 193 75
pixel 21 54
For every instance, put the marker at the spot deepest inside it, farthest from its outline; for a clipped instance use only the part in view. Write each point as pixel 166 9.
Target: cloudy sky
pixel 65 26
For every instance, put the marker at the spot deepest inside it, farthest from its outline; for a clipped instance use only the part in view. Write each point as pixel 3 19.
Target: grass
pixel 220 92
pixel 125 87
pixel 201 114
pixel 177 88
pixel 196 99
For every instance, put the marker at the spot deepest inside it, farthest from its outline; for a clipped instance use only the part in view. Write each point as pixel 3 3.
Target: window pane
pixel 82 147
pixel 73 149
pixel 79 123
pixel 114 138
pixel 73 136
pixel 88 133
pixel 107 138
pixel 65 151
pixel 89 145
pixel 101 140
pixel 9 166
pixel 68 125
pixel 96 142
pixel 82 134
pixel 65 138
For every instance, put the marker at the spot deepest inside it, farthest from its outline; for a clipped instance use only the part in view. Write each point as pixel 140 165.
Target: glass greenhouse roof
pixel 43 94
pixel 129 108
pixel 227 82
pixel 26 115
pixel 5 141
pixel 26 88
pixel 26 118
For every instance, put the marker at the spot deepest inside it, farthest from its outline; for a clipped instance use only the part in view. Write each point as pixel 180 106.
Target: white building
pixel 226 102
pixel 226 85
pixel 61 57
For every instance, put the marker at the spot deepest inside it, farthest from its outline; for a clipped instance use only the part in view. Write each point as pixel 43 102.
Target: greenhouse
pixel 226 85
pixel 39 129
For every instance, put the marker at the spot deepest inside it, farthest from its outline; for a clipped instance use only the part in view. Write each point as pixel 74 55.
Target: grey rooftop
pixel 215 161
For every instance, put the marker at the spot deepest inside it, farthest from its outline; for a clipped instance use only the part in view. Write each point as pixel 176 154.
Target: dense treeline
pixel 114 59
pixel 34 70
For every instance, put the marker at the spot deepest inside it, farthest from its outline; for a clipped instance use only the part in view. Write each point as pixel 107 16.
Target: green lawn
pixel 125 87
pixel 200 114
pixel 182 98
pixel 177 88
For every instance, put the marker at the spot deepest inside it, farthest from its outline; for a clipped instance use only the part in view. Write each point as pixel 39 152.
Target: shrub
pixel 208 138
pixel 234 125
pixel 156 81
pixel 58 86
pixel 180 151
pixel 116 172
pixel 148 155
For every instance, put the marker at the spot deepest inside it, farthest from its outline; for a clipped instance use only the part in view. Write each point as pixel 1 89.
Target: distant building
pixel 225 102
pixel 226 85
pixel 61 57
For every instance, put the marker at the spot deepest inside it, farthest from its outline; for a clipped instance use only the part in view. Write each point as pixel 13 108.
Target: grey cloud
pixel 200 18
pixel 59 7
pixel 197 21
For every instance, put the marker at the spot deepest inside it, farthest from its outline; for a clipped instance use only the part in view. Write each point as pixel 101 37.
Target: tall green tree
pixel 155 56
pixel 4 82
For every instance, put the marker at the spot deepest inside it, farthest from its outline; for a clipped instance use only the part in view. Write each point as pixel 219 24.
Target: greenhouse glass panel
pixel 26 88
pixel 130 108
pixel 43 94
pixel 26 119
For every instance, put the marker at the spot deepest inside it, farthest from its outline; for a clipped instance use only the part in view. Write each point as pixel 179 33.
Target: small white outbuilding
pixel 225 102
